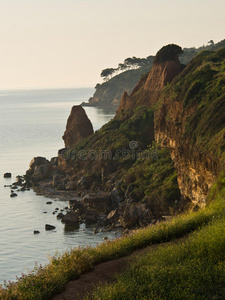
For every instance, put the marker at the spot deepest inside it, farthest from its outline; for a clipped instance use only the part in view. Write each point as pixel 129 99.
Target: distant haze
pixel 67 43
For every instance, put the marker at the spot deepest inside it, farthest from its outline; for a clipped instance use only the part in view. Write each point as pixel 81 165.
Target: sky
pixel 67 43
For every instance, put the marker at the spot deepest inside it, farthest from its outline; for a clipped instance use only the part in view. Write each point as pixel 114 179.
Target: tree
pixel 107 73
pixel 122 67
pixel 169 52
pixel 128 64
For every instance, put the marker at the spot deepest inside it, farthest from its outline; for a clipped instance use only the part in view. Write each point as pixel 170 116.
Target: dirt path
pixel 102 273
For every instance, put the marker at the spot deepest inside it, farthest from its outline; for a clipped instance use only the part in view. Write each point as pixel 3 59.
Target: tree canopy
pixel 128 64
pixel 107 73
pixel 169 52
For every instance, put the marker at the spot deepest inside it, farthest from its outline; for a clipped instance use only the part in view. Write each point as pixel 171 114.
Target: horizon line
pixel 44 88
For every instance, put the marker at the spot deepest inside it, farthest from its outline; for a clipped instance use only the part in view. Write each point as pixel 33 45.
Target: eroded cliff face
pixel 196 168
pixel 149 88
pixel 78 126
pixel 190 121
pixel 159 76
pixel 189 118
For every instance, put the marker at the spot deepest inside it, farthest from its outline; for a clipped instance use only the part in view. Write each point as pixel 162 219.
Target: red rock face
pixel 149 89
pixel 159 76
pixel 125 103
pixel 78 126
pixel 196 169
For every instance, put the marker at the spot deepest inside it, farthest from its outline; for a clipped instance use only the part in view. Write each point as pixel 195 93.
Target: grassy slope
pixel 193 268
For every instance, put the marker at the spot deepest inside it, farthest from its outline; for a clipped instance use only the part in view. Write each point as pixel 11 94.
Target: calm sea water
pixel 32 123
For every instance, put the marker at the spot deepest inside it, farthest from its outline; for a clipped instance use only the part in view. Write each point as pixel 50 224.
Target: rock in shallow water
pixel 13 195
pixel 7 175
pixel 71 219
pixel 49 227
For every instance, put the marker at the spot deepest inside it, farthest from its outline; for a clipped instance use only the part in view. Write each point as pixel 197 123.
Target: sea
pixel 32 123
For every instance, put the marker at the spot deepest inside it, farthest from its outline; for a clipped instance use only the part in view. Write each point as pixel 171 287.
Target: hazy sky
pixel 66 43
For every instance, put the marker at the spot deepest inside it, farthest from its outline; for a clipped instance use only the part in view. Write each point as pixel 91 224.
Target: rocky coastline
pixel 100 204
pixel 95 189
pixel 111 194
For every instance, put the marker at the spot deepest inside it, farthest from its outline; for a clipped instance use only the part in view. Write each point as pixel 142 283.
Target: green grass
pixel 192 268
pixel 45 281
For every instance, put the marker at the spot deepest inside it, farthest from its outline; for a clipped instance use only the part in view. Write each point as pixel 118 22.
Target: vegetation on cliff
pixel 126 153
pixel 185 112
pixel 204 88
pixel 190 120
pixel 110 92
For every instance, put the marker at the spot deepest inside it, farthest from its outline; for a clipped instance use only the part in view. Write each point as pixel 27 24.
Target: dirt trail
pixel 102 273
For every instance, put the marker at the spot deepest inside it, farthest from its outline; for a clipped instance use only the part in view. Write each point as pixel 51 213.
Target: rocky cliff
pixel 78 126
pixel 109 93
pixel 190 121
pixel 161 153
pixel 189 118
pixel 149 88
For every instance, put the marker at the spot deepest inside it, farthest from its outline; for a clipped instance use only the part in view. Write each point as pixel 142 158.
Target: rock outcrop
pixel 71 219
pixel 149 88
pixel 126 103
pixel 78 126
pixel 161 74
pixel 40 169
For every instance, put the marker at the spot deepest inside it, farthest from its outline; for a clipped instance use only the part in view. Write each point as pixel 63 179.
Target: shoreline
pixel 86 104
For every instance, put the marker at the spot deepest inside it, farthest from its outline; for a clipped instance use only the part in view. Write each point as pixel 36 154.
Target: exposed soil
pixel 102 273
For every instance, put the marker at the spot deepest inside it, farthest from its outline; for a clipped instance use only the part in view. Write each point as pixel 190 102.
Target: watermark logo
pixel 133 145
pixel 131 153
